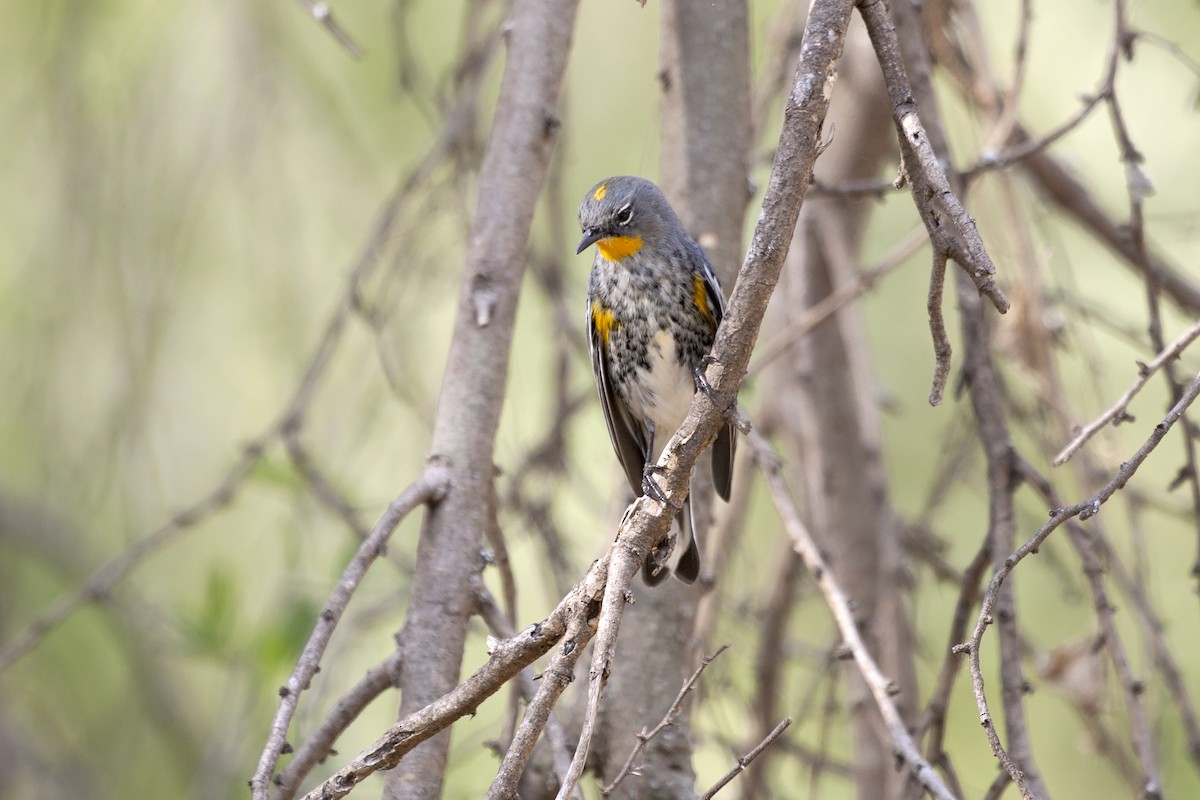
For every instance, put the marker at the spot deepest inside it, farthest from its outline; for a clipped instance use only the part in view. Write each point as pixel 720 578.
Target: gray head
pixel 622 214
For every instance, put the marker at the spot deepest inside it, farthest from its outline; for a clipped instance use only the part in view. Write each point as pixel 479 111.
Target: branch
pixel 952 231
pixel 1117 412
pixel 429 488
pixel 646 520
pixel 745 760
pixel 1084 510
pixel 319 744
pixel 475 380
pixel 553 681
pixel 626 555
pixel 937 329
pixel 881 688
pixel 321 12
pixel 508 657
pixel 672 714
pixel 1093 569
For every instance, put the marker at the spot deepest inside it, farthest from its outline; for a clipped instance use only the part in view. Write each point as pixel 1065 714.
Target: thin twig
pixel 881 688
pixel 1084 510
pixel 1118 411
pixel 952 231
pixel 745 760
pixel 319 744
pixel 937 329
pixel 321 12
pixel 939 703
pixel 669 719
pixel 507 658
pixel 429 488
pixel 625 558
pixel 554 681
pixel 1093 569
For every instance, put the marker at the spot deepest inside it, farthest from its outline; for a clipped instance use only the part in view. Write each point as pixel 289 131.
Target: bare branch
pixel 319 744
pixel 745 760
pixel 429 488
pixel 1084 510
pixel 1151 785
pixel 672 714
pixel 323 15
pixel 475 381
pixel 626 555
pixel 881 688
pixel 554 680
pixel 1117 413
pixel 508 657
pixel 951 230
pixel 937 329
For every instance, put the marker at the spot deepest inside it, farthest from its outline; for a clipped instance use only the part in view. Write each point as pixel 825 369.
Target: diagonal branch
pixel 508 657
pixel 1118 411
pixel 646 520
pixel 1084 510
pixel 881 688
pixel 951 229
pixel 672 714
pixel 429 488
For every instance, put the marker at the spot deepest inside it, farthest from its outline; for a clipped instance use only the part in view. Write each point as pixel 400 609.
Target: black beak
pixel 590 237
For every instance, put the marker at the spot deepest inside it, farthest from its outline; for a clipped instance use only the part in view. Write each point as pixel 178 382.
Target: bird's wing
pixel 628 439
pixel 726 444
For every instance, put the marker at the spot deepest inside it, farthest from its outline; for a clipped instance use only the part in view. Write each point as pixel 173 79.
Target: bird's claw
pixel 650 488
pixel 702 384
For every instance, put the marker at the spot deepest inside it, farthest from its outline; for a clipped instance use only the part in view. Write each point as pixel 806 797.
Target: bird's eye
pixel 625 215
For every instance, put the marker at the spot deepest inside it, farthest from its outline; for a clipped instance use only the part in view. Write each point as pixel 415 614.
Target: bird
pixel 653 307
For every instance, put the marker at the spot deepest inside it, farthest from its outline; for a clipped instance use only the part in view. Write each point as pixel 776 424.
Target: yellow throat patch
pixel 614 248
pixel 603 320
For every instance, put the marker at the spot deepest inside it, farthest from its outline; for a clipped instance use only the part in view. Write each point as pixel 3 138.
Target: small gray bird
pixel 653 310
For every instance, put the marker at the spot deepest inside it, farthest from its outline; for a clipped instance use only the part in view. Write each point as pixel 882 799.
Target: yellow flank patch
pixel 601 190
pixel 603 320
pixel 614 248
pixel 700 298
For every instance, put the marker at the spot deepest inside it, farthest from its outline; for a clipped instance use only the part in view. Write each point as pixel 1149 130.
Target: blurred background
pixel 189 190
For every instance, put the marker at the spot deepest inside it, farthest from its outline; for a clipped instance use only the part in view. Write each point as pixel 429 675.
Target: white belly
pixel 666 390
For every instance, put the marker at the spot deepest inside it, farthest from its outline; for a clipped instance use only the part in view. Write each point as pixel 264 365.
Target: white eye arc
pixel 624 214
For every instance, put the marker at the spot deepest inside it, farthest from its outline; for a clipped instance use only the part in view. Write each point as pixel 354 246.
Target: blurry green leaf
pixel 208 630
pixel 281 642
pixel 276 472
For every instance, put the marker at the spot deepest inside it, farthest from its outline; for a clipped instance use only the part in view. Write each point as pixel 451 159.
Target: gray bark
pixel 449 553
pixel 706 137
pixel 825 402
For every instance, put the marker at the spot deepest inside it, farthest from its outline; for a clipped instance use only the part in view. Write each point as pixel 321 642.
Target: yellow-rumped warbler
pixel 653 309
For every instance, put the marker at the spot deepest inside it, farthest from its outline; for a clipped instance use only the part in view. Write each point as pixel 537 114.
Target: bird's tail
pixel 655 571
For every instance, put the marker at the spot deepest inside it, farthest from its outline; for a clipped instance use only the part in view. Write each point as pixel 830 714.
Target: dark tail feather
pixel 722 460
pixel 652 572
pixel 688 568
